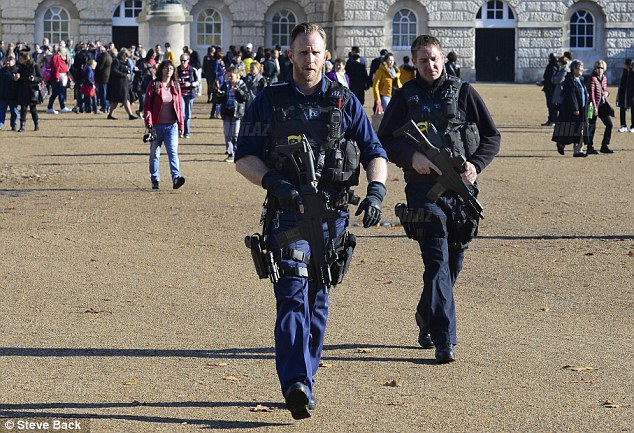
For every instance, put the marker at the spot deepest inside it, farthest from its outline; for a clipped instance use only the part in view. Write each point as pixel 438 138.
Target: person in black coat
pixel 358 76
pixel 622 100
pixel 29 79
pixel 549 89
pixel 119 84
pixel 572 123
pixel 9 92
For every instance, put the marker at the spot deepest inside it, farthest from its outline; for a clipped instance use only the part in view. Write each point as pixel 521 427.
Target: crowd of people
pixel 576 101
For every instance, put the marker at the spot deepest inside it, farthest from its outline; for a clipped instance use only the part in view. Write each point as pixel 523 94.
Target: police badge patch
pixel 312 113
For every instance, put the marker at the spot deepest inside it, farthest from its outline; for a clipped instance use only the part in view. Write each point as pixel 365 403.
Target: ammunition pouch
pixel 463 139
pixel 461 232
pixel 341 165
pixel 343 257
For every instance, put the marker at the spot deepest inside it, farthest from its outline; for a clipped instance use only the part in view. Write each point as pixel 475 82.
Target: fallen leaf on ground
pixel 261 408
pixel 610 404
pixel 391 382
pixel 324 364
pixel 582 381
pixel 363 350
pixel 578 368
pixel 631 253
pixel 217 364
pixel 129 383
pixel 546 309
pixel 232 378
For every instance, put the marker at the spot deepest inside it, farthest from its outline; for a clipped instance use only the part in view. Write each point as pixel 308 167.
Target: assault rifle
pixel 451 168
pixel 313 210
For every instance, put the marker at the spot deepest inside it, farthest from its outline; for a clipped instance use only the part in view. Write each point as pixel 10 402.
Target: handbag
pixel 605 108
pixel 63 79
pixel 376 120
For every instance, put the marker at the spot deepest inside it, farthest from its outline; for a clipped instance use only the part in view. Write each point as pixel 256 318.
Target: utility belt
pixel 459 229
pixel 268 263
pixel 412 176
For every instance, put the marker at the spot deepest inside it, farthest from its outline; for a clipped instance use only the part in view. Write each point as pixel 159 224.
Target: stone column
pixel 164 21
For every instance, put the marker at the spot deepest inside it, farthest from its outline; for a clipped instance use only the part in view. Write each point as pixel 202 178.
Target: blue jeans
pixel 13 106
pixel 58 90
pixel 384 101
pixel 102 89
pixel 299 331
pixel 188 104
pixel 168 134
pixel 231 127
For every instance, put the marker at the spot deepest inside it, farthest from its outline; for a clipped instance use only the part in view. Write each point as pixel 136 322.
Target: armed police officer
pixel 455 119
pixel 303 141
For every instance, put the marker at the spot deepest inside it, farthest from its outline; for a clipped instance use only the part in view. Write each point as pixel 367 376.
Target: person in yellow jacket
pixel 386 78
pixel 407 71
pixel 169 54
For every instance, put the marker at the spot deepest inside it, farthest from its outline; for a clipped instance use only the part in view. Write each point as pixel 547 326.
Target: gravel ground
pixel 140 310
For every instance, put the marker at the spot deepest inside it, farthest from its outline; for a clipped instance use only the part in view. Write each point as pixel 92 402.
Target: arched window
pixel 581 30
pixel 403 29
pixel 209 28
pixel 282 24
pixel 129 9
pixel 495 10
pixel 56 21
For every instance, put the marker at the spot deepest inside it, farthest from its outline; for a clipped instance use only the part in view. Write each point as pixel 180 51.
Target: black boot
pixel 22 127
pixel 606 149
pixel 37 126
pixel 592 151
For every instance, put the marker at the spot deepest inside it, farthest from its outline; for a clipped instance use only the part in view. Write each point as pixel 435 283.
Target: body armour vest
pixel 439 107
pixel 336 159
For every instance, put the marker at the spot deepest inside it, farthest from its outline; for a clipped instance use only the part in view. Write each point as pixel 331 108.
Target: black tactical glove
pixel 279 187
pixel 372 204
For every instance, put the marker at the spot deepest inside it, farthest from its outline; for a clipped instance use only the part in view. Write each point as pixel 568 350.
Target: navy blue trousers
pixel 442 263
pixel 302 311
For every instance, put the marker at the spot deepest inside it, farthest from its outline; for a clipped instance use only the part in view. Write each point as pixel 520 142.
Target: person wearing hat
pixel 9 92
pixel 247 56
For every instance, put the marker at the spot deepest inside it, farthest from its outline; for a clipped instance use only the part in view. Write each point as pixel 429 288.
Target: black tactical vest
pixel 439 107
pixel 336 159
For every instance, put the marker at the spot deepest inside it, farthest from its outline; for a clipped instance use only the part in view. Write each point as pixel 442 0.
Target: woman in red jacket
pixel 597 85
pixel 163 115
pixel 58 81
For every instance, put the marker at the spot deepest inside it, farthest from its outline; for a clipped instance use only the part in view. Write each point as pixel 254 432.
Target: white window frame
pixel 208 17
pixel 399 36
pixel 586 36
pixel 119 15
pixel 280 36
pixel 504 22
pixel 56 12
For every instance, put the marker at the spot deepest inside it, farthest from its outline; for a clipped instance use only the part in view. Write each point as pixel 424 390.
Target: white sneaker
pixel 623 129
pixel 52 111
pixel 631 129
pixel 65 110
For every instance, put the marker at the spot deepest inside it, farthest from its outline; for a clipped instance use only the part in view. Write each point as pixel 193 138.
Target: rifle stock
pixel 451 167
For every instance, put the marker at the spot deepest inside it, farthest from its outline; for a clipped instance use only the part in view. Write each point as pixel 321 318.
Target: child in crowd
pixel 88 88
pixel 232 97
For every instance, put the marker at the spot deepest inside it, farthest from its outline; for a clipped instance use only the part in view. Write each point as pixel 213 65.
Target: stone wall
pixel 541 25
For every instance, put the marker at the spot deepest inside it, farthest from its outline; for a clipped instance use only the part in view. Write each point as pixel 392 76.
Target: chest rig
pixel 439 107
pixel 320 120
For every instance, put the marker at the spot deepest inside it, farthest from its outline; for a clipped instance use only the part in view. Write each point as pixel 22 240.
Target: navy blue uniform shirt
pixel 256 124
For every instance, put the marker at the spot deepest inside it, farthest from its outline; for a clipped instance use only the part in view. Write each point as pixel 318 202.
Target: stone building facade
pixel 496 40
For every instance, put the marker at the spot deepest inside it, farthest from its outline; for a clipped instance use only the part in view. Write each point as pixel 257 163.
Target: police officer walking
pixel 455 117
pixel 322 122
